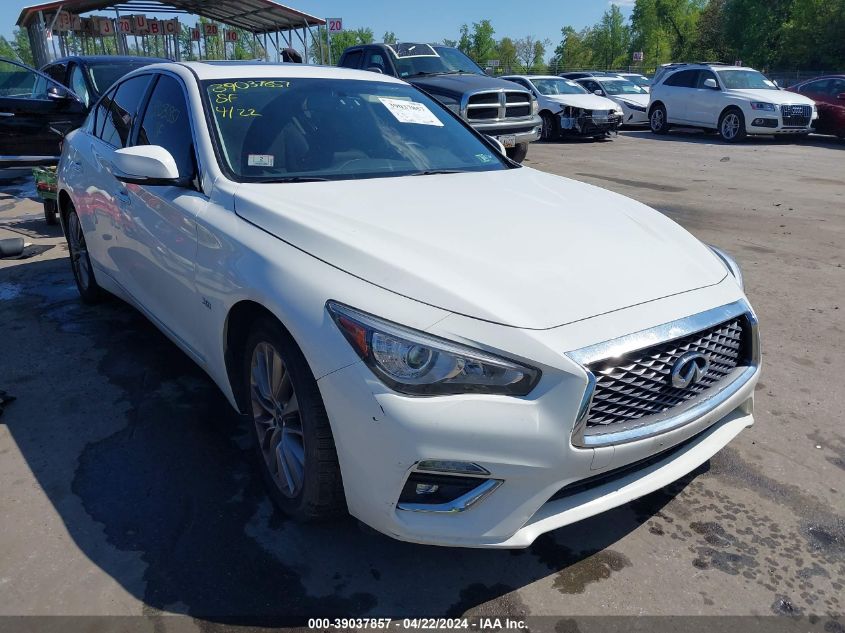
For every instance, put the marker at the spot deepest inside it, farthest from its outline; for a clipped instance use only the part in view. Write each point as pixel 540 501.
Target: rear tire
pixel 518 153
pixel 732 126
pixel 657 120
pixel 51 212
pixel 80 260
pixel 293 441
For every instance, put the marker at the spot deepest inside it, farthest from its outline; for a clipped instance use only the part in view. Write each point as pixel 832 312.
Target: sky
pixel 429 20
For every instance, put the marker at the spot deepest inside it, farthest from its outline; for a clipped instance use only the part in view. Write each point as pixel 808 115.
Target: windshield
pixel 104 75
pixel 745 80
pixel 551 87
pixel 287 129
pixel 639 80
pixel 422 59
pixel 621 87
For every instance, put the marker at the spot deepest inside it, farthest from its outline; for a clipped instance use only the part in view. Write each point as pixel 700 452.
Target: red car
pixel 829 94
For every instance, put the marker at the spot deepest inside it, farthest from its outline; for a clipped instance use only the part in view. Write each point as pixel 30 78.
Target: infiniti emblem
pixel 689 369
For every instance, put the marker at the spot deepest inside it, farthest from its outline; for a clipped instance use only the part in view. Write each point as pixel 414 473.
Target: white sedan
pixel 457 349
pixel 629 96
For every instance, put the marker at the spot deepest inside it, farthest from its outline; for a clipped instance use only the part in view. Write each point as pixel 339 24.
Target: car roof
pixel 97 59
pixel 233 70
pixel 532 76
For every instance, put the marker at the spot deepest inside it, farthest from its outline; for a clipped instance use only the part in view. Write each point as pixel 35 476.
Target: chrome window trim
pixel 461 504
pixel 664 333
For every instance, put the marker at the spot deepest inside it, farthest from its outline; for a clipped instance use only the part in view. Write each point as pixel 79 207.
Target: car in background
pixel 567 109
pixel 455 349
pixel 641 80
pixel 492 106
pixel 828 92
pixel 734 100
pixel 89 76
pixel 629 96
pixel 580 74
pixel 38 108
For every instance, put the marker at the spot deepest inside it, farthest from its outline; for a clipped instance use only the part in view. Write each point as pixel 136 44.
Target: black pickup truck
pixel 492 106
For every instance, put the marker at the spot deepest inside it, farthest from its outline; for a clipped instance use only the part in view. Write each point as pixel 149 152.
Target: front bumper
pixel 524 443
pixel 526 130
pixel 588 125
pixel 768 122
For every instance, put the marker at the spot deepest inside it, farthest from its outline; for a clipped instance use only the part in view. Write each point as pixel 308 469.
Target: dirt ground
pixel 125 486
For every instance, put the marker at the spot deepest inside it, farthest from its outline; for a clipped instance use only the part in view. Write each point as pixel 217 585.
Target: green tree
pixel 478 43
pixel 18 48
pixel 506 54
pixel 530 53
pixel 610 39
pixel 389 37
pixel 572 52
pixel 340 42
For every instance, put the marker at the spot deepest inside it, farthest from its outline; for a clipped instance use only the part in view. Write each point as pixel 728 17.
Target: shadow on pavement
pixel 156 486
pixel 692 135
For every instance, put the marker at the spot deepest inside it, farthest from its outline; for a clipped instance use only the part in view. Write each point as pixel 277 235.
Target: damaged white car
pixel 567 109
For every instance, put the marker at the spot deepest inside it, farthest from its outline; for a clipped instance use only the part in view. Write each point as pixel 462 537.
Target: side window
pixel 103 125
pixel 166 123
pixel 592 86
pixel 15 80
pixel 375 58
pixel 353 59
pixel 836 87
pixel 56 72
pixel 682 79
pixel 122 110
pixel 78 85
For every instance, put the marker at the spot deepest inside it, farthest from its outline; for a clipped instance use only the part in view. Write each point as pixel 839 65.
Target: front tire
pixel 518 153
pixel 657 120
pixel 80 260
pixel 732 126
pixel 294 446
pixel 550 130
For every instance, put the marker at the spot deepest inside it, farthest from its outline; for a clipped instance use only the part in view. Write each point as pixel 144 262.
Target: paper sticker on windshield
pixel 410 112
pixel 259 160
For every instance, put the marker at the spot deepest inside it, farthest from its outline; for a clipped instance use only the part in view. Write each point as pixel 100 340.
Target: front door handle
pixel 122 196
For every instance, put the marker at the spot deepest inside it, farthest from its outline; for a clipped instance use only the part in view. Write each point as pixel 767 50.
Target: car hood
pixel 586 101
pixel 639 99
pixel 772 96
pixel 465 83
pixel 520 247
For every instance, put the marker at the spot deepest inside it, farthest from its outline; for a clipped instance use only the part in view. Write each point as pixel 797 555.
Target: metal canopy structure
pixel 260 17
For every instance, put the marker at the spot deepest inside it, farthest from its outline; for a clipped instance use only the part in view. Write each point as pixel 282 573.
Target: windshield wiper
pixel 291 179
pixel 434 172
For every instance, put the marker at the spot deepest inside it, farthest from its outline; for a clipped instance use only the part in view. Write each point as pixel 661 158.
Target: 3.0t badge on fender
pixel 689 369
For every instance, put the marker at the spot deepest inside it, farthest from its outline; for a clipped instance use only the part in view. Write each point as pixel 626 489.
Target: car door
pixel 161 221
pixel 824 92
pixel 677 93
pixel 88 165
pixel 35 114
pixel 78 83
pixel 704 104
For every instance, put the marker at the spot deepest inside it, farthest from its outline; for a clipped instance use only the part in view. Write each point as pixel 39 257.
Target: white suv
pixel 733 100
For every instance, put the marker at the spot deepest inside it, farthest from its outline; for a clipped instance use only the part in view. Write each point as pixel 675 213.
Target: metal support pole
pixel 328 45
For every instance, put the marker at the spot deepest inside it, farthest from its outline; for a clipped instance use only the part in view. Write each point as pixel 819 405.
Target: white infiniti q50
pixel 457 349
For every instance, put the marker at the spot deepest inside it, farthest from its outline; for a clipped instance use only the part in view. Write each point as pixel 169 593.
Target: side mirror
pixel 711 83
pixel 376 69
pixel 598 92
pixel 841 96
pixel 497 144
pixel 57 93
pixel 146 165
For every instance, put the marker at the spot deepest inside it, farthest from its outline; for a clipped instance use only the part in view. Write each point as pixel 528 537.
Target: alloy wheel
pixel 730 126
pixel 657 120
pixel 79 259
pixel 278 423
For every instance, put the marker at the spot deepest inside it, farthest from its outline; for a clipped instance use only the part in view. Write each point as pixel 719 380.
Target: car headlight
pixel 759 105
pixel 535 106
pixel 634 106
pixel 413 362
pixel 730 264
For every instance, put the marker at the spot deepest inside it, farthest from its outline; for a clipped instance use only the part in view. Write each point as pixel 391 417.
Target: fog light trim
pixel 461 504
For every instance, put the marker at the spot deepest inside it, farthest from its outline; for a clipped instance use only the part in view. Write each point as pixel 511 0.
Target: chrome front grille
pixel 796 115
pixel 638 384
pixel 498 105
